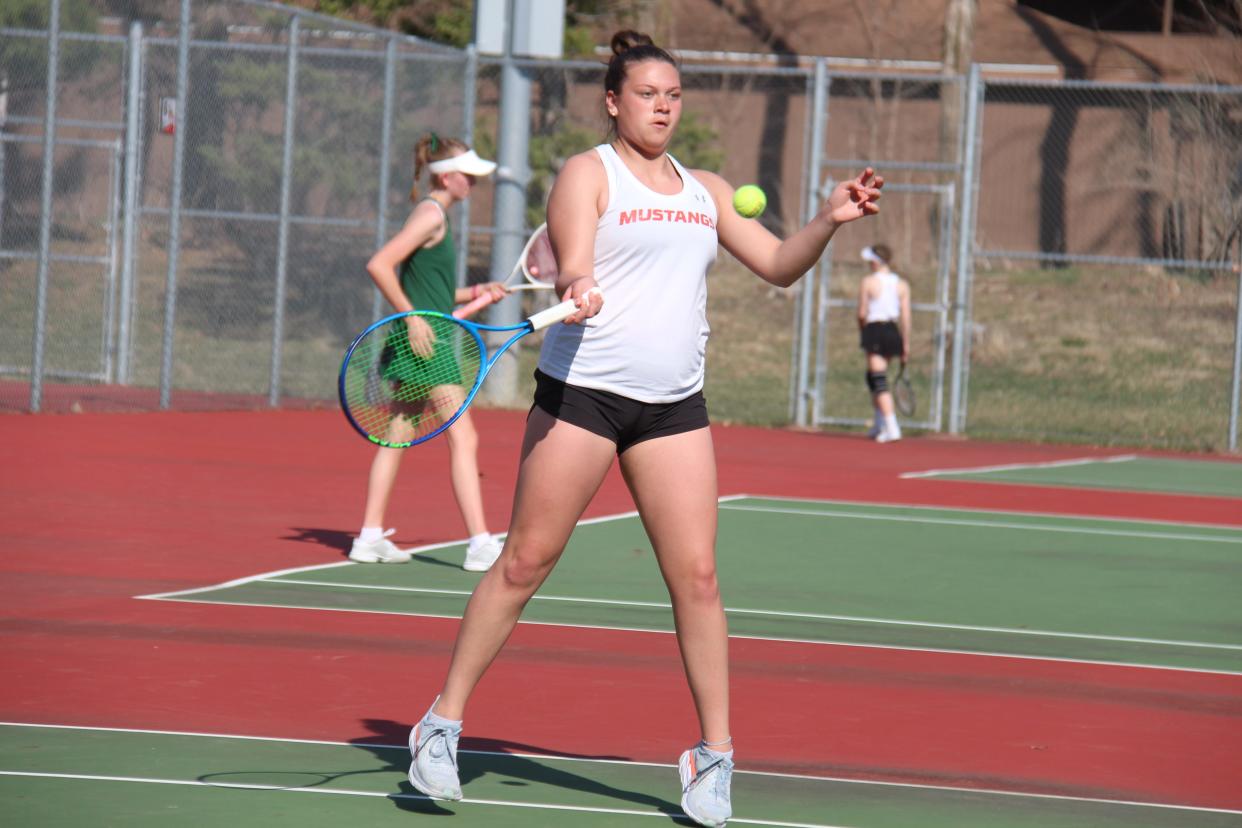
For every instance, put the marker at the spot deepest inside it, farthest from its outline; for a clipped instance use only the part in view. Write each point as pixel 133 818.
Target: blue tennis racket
pixel 409 376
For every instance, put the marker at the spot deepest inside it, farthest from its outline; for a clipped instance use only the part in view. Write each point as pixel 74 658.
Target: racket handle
pixel 473 306
pixel 556 313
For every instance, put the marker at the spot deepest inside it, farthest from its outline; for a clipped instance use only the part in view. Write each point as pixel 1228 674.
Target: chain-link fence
pixel 1104 289
pixel 207 228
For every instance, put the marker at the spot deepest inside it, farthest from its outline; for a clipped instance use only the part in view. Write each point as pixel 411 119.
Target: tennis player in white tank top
pixel 652 253
pixel 629 219
pixel 884 325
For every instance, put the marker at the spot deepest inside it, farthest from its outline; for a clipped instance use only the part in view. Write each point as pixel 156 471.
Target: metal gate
pixel 839 395
pixel 80 330
pixel 879 116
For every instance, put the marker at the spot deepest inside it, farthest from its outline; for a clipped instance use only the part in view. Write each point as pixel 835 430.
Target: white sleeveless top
pixel 887 306
pixel 652 254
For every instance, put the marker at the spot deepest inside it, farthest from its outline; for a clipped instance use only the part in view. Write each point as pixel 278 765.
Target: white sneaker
pixel 705 786
pixel 888 436
pixel 481 557
pixel 433 759
pixel 378 551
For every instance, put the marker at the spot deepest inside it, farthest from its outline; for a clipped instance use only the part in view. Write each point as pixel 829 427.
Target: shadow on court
pixel 340 541
pixel 479 757
pixel 331 538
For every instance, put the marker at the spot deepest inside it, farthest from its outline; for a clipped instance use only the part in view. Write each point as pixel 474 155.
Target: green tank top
pixel 429 275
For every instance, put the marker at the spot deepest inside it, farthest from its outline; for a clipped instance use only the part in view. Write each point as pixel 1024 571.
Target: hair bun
pixel 628 39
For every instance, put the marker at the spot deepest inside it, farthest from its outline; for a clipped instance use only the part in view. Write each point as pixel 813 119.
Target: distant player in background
pixel 417 268
pixel 884 320
pixel 627 386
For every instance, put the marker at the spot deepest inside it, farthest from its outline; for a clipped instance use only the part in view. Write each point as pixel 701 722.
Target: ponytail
pixel 432 147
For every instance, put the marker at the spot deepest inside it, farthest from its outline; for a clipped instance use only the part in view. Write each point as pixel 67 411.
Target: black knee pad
pixel 877 381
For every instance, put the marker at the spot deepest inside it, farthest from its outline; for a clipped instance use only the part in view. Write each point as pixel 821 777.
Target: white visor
pixel 869 255
pixel 467 163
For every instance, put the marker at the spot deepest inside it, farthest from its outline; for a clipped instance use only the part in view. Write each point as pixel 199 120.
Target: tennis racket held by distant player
pixel 409 376
pixel 903 392
pixel 537 267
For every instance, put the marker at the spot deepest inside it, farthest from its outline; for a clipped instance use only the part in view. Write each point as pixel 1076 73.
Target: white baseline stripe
pixel 541 806
pixel 940 507
pixel 1076 461
pixel 781 614
pixel 779 639
pixel 990 524
pixel 262 576
pixel 836 779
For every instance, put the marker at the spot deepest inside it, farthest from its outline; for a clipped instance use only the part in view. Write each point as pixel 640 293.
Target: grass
pixel 1106 355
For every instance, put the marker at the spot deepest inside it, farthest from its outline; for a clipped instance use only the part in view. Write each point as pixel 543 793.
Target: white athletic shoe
pixel 888 435
pixel 433 755
pixel 378 551
pixel 480 558
pixel 705 786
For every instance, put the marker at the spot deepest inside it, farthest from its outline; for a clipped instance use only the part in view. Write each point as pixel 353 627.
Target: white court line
pixel 905 648
pixel 728 499
pixel 812 616
pixel 1054 464
pixel 588 760
pixel 263 576
pixel 538 806
pixel 1035 527
pixel 974 510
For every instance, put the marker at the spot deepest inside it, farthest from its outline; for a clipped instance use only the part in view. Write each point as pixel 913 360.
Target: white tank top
pixel 652 254
pixel 887 306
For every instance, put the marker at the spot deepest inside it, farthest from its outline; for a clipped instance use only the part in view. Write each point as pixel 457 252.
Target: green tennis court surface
pixel 1126 473
pixel 71 776
pixel 1115 591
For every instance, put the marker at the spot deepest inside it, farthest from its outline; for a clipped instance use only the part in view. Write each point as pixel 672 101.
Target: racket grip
pixel 473 306
pixel 556 313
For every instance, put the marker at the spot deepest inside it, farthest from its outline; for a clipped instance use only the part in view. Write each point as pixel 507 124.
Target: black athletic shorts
pixel 620 419
pixel 883 338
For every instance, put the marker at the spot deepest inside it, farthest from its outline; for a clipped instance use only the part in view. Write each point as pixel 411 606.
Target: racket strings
pixel 399 391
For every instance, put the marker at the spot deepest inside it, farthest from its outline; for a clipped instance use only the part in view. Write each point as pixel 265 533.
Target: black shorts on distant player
pixel 883 338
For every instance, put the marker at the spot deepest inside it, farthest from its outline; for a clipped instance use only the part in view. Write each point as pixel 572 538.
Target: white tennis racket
pixel 537 266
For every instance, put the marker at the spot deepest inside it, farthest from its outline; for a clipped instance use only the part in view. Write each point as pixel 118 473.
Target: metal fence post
pixel 512 176
pixel 385 164
pixel 129 230
pixel 1235 388
pixel 45 215
pixel 965 251
pixel 469 99
pixel 286 189
pixel 806 298
pixel 174 206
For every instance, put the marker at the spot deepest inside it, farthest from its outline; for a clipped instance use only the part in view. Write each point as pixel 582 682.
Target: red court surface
pixel 99 508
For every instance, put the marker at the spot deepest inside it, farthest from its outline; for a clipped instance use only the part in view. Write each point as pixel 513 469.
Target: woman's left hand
pixel 855 198
pixel 497 290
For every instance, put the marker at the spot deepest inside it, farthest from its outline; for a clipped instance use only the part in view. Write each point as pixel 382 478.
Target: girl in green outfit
pixel 417 268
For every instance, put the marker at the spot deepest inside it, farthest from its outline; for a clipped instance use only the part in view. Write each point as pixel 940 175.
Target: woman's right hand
pixel 422 337
pixel 589 297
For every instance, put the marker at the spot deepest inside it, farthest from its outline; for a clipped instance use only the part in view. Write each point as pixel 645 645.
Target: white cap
pixel 868 254
pixel 467 163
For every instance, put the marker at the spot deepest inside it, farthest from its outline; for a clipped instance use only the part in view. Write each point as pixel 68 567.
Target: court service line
pixel 263 576
pixel 812 616
pixel 1053 464
pixel 402 748
pixel 974 510
pixel 1034 527
pixel 538 806
pixel 912 648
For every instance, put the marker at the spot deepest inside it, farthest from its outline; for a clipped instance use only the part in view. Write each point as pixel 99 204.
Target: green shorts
pixel 416 375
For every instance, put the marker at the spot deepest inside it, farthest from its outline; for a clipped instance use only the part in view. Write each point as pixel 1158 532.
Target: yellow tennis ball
pixel 749 200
